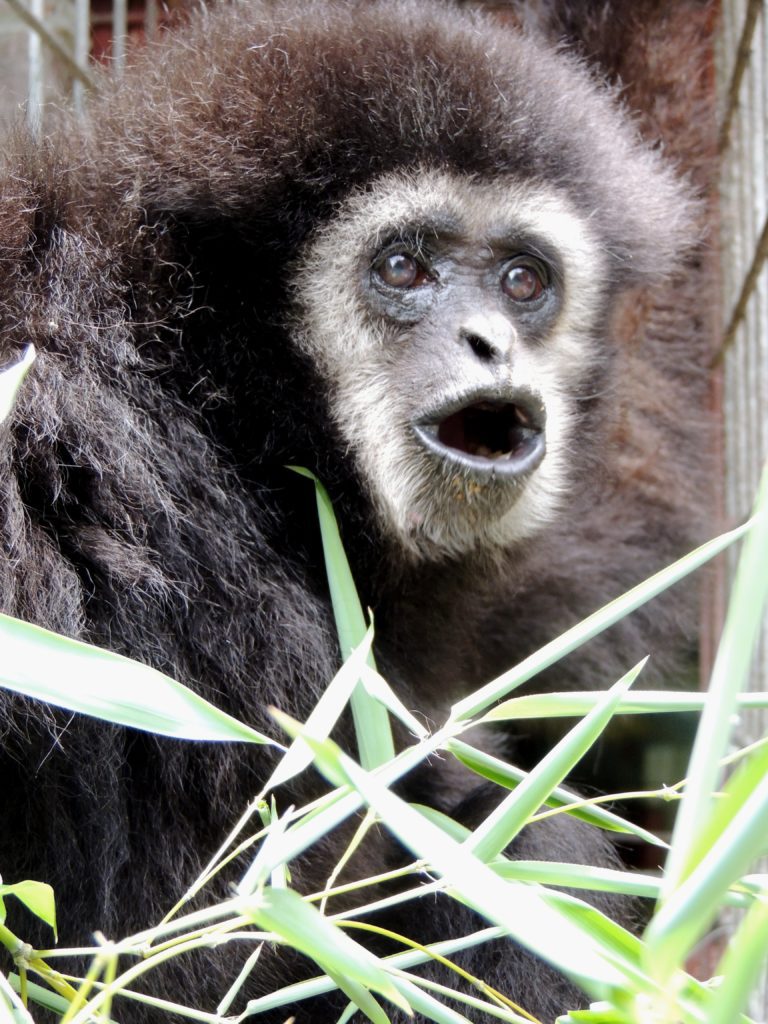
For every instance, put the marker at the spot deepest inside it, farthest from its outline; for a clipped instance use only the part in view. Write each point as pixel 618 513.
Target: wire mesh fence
pixel 46 47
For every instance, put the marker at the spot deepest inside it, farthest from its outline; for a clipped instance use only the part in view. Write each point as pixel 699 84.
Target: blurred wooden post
pixel 743 360
pixel 119 32
pixel 35 69
pixel 82 47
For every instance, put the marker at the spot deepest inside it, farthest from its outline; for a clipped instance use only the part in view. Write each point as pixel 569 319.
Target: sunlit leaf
pixel 593 625
pixel 742 965
pixel 285 913
pixel 11 378
pixel 372 728
pixel 36 896
pixel 511 815
pixel 80 677
pixel 503 774
pixel 520 909
pixel 324 715
pixel 729 676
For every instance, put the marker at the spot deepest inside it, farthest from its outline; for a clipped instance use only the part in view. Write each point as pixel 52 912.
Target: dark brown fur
pixel 144 501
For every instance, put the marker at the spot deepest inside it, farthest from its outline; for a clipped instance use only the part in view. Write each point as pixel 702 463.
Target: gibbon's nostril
pixel 490 336
pixel 482 348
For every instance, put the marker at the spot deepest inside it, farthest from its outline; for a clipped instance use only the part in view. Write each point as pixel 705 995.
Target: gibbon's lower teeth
pixel 486 452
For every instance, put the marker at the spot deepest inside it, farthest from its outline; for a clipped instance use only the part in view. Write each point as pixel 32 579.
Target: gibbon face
pixel 454 320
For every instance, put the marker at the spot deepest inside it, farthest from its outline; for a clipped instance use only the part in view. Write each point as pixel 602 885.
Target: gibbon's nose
pixel 490 336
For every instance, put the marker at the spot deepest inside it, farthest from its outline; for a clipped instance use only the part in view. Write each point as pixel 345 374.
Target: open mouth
pixel 488 437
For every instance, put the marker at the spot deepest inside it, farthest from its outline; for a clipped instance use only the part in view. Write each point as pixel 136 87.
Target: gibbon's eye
pixel 401 270
pixel 525 280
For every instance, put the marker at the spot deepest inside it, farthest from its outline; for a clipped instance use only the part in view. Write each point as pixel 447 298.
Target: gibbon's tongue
pixel 491 431
pixel 488 438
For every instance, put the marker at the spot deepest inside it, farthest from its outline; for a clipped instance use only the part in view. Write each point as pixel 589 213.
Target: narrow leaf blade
pixel 80 677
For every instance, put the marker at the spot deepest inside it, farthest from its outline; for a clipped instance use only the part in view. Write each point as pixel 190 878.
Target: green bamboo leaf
pixel 290 995
pixel 322 748
pixel 580 876
pixel 330 810
pixel 738 789
pixel 349 1012
pixel 590 627
pixel 683 915
pixel 495 770
pixel 741 966
pixel 380 690
pixel 265 863
pixel 427 1007
pixel 325 714
pixel 598 1013
pixel 579 702
pixel 80 677
pixel 12 1010
pixel 545 872
pixel 521 910
pixel 372 728
pixel 360 997
pixel 452 828
pixel 11 378
pixel 630 883
pixel 42 996
pixel 36 896
pixel 297 922
pixel 555 873
pixel 729 676
pixel 513 813
pixel 697 876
